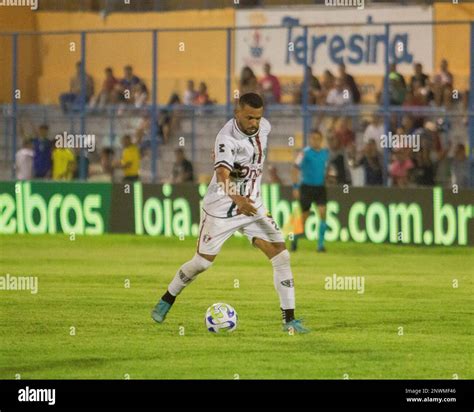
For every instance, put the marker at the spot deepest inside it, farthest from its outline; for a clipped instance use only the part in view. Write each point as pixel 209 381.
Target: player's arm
pixel 295 175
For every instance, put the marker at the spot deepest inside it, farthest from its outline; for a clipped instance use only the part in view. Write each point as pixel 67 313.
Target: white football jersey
pixel 244 156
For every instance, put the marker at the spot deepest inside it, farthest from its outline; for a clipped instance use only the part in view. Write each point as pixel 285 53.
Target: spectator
pixel 419 79
pixel 270 86
pixel 460 167
pixel 443 85
pixel 274 176
pixel 24 161
pixel 397 87
pixel 130 161
pixel 340 95
pixel 248 81
pixel 72 100
pixel 423 170
pixel 64 163
pixel 103 171
pixel 349 82
pixel 42 147
pixel 190 93
pixel 338 167
pixel 328 82
pixel 400 167
pixel 374 131
pixel 140 95
pixel 343 132
pixel 202 97
pixel 106 95
pixel 123 90
pixel 182 168
pixel 372 163
pixel 168 122
pixel 314 88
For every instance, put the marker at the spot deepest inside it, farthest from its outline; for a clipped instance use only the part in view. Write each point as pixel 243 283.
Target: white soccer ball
pixel 221 317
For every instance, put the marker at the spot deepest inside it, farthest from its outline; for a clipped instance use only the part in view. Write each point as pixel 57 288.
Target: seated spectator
pixel 338 166
pixel 190 93
pixel 130 160
pixel 374 131
pixel 340 95
pixel 248 81
pixel 270 86
pixel 42 148
pixel 460 167
pixel 64 163
pixel 349 82
pixel 422 173
pixel 202 97
pixel 328 82
pixel 140 95
pixel 343 132
pixel 24 161
pixel 313 88
pixel 443 85
pixel 182 168
pixel 106 95
pixel 372 162
pixel 124 88
pixel 400 167
pixel 72 100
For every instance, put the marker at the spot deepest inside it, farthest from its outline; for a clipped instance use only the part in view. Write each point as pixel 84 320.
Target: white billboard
pixel 361 48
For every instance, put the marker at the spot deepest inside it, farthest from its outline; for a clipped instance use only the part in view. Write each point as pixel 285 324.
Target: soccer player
pixel 233 202
pixel 309 175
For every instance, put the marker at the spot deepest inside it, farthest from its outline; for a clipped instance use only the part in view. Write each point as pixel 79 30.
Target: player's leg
pixel 321 201
pixel 213 233
pixel 265 234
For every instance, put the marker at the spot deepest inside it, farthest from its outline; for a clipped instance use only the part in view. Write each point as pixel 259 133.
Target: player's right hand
pixel 244 205
pixel 296 194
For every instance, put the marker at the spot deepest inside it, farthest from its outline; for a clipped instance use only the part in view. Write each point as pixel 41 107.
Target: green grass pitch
pixel 356 336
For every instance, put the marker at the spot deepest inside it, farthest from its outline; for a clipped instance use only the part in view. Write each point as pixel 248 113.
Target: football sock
pixel 168 298
pixel 283 280
pixel 288 315
pixel 322 230
pixel 187 273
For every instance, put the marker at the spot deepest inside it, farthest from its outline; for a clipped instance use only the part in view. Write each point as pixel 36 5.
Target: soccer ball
pixel 221 317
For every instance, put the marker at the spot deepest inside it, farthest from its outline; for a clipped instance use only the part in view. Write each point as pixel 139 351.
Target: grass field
pixel 82 285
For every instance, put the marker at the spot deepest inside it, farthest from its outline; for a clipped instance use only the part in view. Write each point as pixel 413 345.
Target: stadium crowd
pixel 356 144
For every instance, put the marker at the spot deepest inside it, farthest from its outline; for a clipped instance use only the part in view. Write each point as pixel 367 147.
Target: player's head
pixel 249 112
pixel 43 130
pixel 315 139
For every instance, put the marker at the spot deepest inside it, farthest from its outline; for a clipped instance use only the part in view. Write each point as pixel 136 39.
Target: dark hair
pixel 43 126
pixel 316 131
pixel 251 99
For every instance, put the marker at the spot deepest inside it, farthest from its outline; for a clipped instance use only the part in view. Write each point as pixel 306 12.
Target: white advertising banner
pixel 361 48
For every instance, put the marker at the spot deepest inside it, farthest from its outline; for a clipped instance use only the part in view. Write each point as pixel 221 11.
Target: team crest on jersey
pixel 206 238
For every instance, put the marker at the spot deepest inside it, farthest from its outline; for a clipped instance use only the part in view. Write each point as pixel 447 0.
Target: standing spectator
pixel 339 95
pixel 168 122
pixel 314 88
pixel 248 81
pixel 328 82
pixel 72 99
pixel 400 167
pixel 103 171
pixel 372 163
pixel 270 86
pixel 443 85
pixel 423 170
pixel 338 168
pixel 374 131
pixel 64 163
pixel 397 87
pixel 419 79
pixel 202 97
pixel 274 176
pixel 190 93
pixel 460 167
pixel 140 95
pixel 106 95
pixel 182 168
pixel 123 90
pixel 349 82
pixel 24 161
pixel 130 161
pixel 343 132
pixel 42 147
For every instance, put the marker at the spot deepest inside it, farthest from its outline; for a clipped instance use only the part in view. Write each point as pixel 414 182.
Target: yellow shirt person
pixel 64 163
pixel 130 161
